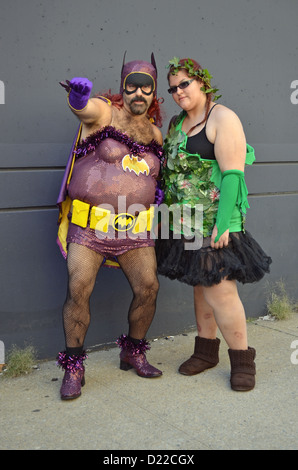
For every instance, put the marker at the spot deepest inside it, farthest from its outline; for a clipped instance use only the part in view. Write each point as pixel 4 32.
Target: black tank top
pixel 200 144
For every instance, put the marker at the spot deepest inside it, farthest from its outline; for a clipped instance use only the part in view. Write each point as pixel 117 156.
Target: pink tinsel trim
pixel 71 363
pixel 125 343
pixel 92 141
pixel 159 196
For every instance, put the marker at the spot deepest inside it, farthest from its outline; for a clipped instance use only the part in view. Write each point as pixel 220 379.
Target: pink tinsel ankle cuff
pixel 71 363
pixel 126 344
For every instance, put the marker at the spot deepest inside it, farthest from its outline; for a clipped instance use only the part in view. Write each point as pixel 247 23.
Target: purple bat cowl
pixel 139 66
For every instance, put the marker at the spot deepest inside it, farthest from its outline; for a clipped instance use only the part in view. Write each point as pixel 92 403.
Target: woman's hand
pixel 223 240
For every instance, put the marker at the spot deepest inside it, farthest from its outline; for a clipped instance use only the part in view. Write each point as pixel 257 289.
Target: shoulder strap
pixel 103 98
pixel 192 128
pixel 210 112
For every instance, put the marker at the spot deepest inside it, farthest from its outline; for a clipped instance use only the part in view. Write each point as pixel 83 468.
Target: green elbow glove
pixel 233 191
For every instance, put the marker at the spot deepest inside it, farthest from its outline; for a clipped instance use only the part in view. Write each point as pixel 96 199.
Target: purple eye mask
pixel 139 80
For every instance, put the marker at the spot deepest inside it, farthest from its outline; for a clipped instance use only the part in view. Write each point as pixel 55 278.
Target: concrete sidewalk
pixel 120 411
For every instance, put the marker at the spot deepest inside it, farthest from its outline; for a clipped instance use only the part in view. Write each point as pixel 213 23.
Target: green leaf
pixel 175 64
pixel 170 164
pixel 207 74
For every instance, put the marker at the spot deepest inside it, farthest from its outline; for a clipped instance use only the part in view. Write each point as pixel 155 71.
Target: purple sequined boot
pixel 74 377
pixel 133 356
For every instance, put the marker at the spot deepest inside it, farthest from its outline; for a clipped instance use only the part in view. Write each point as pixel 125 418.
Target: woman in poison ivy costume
pixel 206 153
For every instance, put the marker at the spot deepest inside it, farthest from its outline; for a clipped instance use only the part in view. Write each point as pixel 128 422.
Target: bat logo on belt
pixel 123 222
pixel 135 165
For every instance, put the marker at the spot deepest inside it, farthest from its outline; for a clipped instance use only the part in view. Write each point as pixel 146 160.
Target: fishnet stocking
pixel 139 267
pixel 83 265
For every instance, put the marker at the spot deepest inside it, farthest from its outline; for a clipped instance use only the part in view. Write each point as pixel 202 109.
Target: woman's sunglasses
pixel 173 89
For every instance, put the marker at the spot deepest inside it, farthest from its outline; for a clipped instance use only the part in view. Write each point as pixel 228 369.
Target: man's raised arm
pixel 88 110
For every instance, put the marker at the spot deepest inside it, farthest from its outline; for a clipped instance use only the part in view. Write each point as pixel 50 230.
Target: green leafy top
pixel 203 74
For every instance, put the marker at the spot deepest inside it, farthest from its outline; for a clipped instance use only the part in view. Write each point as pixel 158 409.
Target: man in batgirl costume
pixel 115 159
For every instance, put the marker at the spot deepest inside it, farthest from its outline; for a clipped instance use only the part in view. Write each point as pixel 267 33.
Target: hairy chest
pixel 138 129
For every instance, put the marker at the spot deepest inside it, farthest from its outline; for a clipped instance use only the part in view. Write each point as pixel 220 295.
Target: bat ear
pixel 123 62
pixel 153 62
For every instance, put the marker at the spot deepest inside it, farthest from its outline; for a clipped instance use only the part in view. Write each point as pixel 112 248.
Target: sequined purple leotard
pixel 108 166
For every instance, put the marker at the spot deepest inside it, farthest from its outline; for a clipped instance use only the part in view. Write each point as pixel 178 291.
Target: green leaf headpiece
pixel 202 74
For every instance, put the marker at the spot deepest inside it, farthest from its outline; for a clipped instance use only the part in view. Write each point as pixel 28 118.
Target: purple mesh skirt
pixel 110 248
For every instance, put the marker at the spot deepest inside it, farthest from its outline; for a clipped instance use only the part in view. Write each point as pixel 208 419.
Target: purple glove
pixel 79 92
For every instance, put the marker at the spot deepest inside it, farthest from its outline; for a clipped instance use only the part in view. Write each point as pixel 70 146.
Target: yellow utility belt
pixel 100 218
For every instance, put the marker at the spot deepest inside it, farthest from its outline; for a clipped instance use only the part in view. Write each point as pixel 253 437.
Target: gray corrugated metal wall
pixel 250 47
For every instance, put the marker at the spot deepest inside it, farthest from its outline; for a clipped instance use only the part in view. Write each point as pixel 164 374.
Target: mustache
pixel 140 98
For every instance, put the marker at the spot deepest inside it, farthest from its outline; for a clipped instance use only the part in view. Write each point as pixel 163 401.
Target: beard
pixel 138 105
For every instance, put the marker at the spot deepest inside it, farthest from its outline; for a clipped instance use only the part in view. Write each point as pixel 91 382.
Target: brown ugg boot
pixel 204 357
pixel 243 369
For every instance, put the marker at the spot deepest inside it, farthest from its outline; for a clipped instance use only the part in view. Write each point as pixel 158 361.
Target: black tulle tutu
pixel 242 260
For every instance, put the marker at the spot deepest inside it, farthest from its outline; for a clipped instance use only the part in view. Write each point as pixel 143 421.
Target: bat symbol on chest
pixel 135 165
